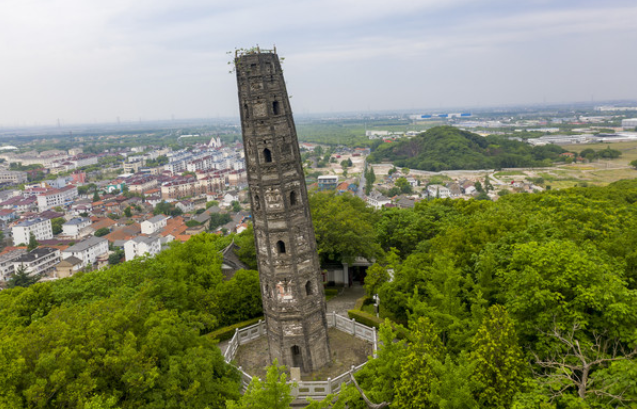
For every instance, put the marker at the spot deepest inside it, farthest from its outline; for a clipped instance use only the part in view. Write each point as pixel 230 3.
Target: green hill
pixel 448 148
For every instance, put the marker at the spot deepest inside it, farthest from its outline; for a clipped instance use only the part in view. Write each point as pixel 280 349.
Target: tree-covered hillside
pixel 526 302
pixel 127 337
pixel 447 148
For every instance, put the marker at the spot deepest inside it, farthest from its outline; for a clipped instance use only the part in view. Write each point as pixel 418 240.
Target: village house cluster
pixel 390 192
pixel 58 226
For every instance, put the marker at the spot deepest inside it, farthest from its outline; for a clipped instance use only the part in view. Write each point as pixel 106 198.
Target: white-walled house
pixel 142 246
pixel 38 261
pixel 74 226
pixel 40 227
pixel 154 224
pixel 438 191
pixel 377 200
pixel 87 250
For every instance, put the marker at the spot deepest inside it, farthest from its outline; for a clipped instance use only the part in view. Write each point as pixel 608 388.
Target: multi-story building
pixel 154 224
pixel 438 191
pixel 6 263
pixel 629 124
pixel 74 226
pixel 38 262
pixel 327 182
pixel 57 197
pixel 179 188
pixel 133 167
pixel 141 184
pixel 13 176
pixel 41 229
pixel 80 161
pixel 87 250
pixel 205 163
pixel 141 246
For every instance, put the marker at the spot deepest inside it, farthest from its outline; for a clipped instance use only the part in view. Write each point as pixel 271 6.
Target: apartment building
pixel 141 246
pixel 74 226
pixel 38 262
pixel 56 197
pixel 87 250
pixel 41 229
pixel 6 263
pixel 13 176
pixel 154 224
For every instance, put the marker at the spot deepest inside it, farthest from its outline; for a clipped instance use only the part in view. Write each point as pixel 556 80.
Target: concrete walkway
pixel 346 299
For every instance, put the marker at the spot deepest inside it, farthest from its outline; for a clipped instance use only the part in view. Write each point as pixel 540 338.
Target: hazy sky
pixel 96 60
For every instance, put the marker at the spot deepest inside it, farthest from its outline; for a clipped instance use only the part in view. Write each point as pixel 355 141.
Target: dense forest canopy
pixel 131 336
pixel 526 302
pixel 448 148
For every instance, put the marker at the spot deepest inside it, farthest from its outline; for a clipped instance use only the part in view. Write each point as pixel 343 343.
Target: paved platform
pixel 346 299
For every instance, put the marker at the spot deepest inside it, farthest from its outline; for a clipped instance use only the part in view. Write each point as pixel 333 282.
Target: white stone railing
pixel 305 389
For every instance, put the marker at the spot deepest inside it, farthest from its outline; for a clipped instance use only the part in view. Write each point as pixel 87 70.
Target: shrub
pixel 225 333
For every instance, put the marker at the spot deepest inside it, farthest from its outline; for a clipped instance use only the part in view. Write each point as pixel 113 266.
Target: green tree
pixel 128 212
pixel 102 232
pixel 33 243
pixel 500 368
pixel 634 164
pixel 273 393
pixel 379 377
pixel 21 278
pixel 247 252
pixel 236 206
pixel 403 184
pixel 218 219
pixel 417 374
pixel 56 224
pixel 567 283
pixel 346 163
pixel 343 225
pixel 211 203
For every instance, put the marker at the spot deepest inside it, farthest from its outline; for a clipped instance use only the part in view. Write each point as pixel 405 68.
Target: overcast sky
pixel 96 60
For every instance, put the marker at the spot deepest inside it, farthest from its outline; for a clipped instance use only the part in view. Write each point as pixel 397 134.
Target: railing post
pixel 353 327
pixel 329 385
pixel 334 318
pixel 375 355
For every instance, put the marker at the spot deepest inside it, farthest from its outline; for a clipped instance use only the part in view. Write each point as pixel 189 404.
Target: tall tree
pixel 21 278
pixel 417 374
pixel 343 225
pixel 33 243
pixel 500 368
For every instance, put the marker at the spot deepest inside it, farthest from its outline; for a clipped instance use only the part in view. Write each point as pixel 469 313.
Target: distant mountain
pixel 448 148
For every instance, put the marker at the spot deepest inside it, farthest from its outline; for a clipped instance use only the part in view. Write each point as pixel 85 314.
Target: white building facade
pixel 57 197
pixel 141 246
pixel 74 226
pixel 88 250
pixel 154 224
pixel 41 229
